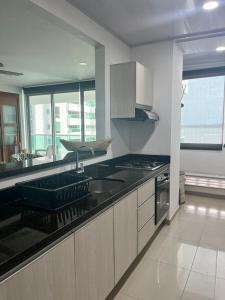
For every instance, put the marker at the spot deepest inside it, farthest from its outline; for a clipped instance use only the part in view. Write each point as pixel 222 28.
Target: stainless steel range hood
pixel 143 113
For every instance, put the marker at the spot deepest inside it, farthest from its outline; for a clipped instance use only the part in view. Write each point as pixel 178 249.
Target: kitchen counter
pixel 40 163
pixel 27 232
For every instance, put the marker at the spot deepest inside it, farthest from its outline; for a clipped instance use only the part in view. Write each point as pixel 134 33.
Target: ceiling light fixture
pixel 210 5
pixel 220 49
pixel 83 64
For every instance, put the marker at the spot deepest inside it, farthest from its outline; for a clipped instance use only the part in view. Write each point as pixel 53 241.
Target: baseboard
pixel 169 221
pixel 213 176
pixel 205 190
pixel 204 194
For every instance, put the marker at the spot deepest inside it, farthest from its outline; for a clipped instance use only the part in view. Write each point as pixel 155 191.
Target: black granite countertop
pixel 25 232
pixel 40 163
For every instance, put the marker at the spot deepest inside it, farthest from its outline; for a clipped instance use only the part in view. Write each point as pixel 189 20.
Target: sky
pixel 203 102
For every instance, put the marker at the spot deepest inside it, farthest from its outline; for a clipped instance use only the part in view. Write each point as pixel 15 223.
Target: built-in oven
pixel 162 199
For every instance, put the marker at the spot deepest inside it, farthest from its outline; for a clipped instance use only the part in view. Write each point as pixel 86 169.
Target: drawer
pixel 146 191
pixel 146 211
pixel 145 234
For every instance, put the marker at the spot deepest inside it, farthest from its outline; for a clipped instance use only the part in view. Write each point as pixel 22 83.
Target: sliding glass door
pixel 67 119
pixel 64 111
pixel 89 115
pixel 40 119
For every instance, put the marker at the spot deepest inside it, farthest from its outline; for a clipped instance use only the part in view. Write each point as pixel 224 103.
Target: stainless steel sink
pixel 105 186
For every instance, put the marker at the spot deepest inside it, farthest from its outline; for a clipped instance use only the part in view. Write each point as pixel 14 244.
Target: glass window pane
pixel 89 115
pixel 10 135
pixel 41 124
pixel 202 114
pixel 67 119
pixel 9 114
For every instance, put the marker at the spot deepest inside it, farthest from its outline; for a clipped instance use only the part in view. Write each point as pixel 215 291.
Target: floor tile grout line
pixel 214 292
pixel 189 272
pixel 173 264
pixel 198 243
pixel 202 274
pixel 193 243
pixel 182 294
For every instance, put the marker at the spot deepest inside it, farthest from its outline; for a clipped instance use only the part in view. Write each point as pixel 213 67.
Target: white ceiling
pixel 42 51
pixel 46 53
pixel 202 53
pixel 143 21
pixel 138 22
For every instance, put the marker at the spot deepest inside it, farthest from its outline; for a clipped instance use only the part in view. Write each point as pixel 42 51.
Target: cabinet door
pixel 146 211
pixel 125 234
pixel 146 191
pixel 123 90
pixel 145 234
pixel 144 85
pixel 50 277
pixel 94 258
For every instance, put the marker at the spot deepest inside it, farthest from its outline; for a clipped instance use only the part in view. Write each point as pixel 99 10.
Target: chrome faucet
pixel 81 170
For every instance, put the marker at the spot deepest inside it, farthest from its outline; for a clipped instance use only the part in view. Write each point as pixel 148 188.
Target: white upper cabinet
pixel 131 84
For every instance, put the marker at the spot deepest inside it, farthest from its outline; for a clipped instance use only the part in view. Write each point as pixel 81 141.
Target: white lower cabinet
pixel 50 277
pixel 125 234
pixel 89 263
pixel 146 211
pixel 145 234
pixel 94 258
pixel 146 191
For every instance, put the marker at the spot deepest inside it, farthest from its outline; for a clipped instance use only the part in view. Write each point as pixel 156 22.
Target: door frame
pixel 18 127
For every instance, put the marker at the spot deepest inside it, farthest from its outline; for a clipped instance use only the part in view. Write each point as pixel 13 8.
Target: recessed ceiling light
pixel 220 49
pixel 209 5
pixel 83 64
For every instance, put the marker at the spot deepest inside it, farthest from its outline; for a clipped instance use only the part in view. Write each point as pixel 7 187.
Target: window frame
pixel 205 73
pixel 50 90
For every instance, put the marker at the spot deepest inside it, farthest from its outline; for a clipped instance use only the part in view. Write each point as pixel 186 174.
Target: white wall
pixel 157 57
pixel 166 61
pixel 203 162
pixel 175 127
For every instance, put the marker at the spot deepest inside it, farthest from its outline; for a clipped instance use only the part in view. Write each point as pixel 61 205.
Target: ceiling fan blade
pixel 10 73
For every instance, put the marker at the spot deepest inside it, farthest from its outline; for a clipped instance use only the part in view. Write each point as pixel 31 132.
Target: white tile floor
pixel 187 259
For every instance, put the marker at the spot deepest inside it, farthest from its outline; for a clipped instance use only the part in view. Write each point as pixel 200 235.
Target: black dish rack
pixel 55 191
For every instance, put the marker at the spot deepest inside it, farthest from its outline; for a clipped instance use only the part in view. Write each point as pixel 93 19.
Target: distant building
pixel 67 123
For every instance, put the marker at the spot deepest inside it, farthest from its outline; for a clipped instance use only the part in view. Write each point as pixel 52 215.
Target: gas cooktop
pixel 143 164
